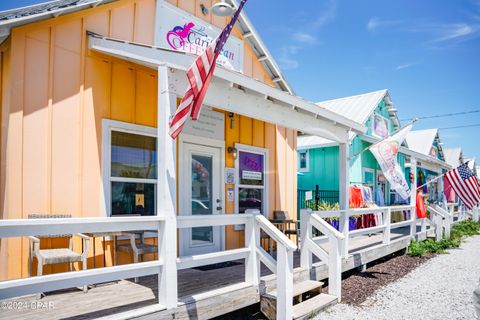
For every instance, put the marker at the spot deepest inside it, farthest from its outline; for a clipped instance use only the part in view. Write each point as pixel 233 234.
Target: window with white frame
pixel 251 184
pixel 130 168
pixel 303 160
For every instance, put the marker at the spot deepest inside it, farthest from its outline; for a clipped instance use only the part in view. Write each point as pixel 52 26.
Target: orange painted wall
pixel 54 95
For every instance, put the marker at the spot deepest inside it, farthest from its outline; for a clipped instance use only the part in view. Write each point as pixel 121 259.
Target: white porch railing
pixel 383 225
pixel 253 253
pixel 310 245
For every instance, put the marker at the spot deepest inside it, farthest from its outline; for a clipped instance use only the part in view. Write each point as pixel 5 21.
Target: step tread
pixel 312 305
pixel 301 287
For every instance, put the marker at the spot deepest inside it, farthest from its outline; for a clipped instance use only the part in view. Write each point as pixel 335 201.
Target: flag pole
pixel 365 149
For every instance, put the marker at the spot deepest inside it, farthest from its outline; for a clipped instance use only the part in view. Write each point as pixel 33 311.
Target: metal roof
pixel 52 9
pixel 422 141
pixel 453 156
pixel 358 108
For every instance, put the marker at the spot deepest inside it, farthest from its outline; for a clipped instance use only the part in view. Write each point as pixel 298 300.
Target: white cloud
pixel 304 38
pixel 375 23
pixel 287 57
pixel 326 16
pixel 455 31
pixel 404 66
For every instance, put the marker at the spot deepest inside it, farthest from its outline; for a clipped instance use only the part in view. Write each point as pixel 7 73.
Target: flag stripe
pixel 199 76
pixel 465 184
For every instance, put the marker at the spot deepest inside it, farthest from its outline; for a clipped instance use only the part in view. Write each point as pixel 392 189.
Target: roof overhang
pixel 7 25
pixel 235 92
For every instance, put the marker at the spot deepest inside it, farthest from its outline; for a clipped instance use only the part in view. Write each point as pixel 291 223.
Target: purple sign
pixel 251 168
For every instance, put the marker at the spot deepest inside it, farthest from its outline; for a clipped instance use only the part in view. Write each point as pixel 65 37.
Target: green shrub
pixel 457 234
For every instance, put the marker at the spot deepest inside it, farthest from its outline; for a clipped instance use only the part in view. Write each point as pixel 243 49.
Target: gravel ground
pixel 441 288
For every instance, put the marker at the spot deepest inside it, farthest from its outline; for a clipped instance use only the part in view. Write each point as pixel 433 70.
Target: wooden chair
pixel 138 249
pixel 286 224
pixel 56 255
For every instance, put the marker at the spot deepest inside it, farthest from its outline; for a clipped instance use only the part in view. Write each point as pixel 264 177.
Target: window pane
pixel 133 198
pixel 303 160
pixel 133 156
pixel 251 168
pixel 249 199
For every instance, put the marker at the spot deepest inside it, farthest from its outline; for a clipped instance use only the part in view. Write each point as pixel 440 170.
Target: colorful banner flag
pixel 386 152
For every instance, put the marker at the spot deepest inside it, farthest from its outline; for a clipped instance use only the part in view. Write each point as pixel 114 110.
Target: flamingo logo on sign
pixel 189 39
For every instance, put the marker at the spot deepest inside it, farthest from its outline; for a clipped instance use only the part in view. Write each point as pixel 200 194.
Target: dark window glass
pixel 133 198
pixel 303 160
pixel 249 199
pixel 133 156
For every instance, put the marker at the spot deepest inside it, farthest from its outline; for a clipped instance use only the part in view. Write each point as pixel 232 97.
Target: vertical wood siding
pixel 54 96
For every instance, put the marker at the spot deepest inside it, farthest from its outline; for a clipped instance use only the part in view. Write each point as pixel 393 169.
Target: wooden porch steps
pixel 308 300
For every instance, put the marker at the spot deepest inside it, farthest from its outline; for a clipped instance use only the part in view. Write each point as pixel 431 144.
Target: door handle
pixel 219 208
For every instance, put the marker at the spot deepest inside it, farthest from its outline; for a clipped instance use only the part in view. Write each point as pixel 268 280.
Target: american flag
pixel 199 75
pixel 465 184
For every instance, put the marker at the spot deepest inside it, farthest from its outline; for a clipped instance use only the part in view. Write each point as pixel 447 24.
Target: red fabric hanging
pixel 421 210
pixel 356 198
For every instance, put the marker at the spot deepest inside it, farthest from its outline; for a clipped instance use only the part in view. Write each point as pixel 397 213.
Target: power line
pixel 444 115
pixel 459 127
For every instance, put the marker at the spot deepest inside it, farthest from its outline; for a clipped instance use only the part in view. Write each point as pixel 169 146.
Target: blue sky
pixel 427 53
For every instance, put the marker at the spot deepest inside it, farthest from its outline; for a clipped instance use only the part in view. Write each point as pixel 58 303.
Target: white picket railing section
pixel 310 246
pixel 253 253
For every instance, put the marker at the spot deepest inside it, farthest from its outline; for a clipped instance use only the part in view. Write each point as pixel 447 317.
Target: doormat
pixel 218 266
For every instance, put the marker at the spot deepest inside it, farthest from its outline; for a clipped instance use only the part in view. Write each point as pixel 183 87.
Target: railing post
pixel 335 268
pixel 252 270
pixel 305 233
pixel 387 222
pixel 166 193
pixel 413 198
pixel 344 225
pixel 284 283
pixel 438 221
pixel 475 214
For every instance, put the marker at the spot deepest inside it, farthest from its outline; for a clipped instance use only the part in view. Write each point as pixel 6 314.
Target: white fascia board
pixel 152 57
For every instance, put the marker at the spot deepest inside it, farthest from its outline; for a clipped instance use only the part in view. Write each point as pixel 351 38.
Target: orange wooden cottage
pixel 86 92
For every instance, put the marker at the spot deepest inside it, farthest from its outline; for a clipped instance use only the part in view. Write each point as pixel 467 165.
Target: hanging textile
pixel 379 197
pixel 421 210
pixel 356 198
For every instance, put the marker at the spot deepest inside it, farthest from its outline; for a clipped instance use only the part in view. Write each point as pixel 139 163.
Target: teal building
pixel 318 162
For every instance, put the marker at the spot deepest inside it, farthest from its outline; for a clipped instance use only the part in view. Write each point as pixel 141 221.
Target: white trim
pixel 257 150
pixel 107 127
pixel 307 159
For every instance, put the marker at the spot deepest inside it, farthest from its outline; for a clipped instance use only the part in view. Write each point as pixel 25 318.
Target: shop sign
pixel 380 126
pixel 211 124
pixel 181 31
pixel 251 175
pixel 251 168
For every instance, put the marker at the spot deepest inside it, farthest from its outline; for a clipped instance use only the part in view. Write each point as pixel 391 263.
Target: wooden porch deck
pixel 203 293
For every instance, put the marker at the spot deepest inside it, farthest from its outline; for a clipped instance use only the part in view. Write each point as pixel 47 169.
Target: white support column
pixel 305 233
pixel 441 188
pixel 284 283
pixel 344 196
pixel 166 193
pixel 475 214
pixel 413 197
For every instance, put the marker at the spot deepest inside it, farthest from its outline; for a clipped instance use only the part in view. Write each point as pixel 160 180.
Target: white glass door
pixel 201 195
